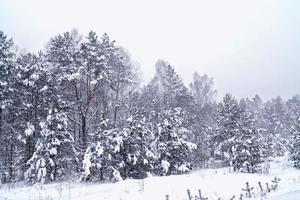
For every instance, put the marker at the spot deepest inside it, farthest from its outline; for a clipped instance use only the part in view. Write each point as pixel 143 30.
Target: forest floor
pixel 214 184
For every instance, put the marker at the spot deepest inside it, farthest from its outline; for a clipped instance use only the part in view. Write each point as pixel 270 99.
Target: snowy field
pixel 214 183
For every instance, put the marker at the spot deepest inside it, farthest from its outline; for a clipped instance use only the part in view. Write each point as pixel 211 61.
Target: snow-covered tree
pixel 126 153
pixel 123 79
pixel 228 126
pixel 247 145
pixel 201 137
pixel 102 158
pixel 8 135
pixel 95 76
pixel 64 62
pixel 276 116
pixel 293 110
pixel 54 154
pixel 137 149
pixel 33 105
pixel 201 116
pixel 276 121
pixel 295 147
pixel 174 152
pixel 165 91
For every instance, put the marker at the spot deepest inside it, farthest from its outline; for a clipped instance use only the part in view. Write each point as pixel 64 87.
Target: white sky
pixel 249 47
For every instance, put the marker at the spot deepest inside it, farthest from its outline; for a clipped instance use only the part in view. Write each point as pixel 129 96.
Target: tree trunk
pixel 11 162
pixel 116 109
pixel 29 146
pixel 115 116
pixel 1 123
pixel 83 130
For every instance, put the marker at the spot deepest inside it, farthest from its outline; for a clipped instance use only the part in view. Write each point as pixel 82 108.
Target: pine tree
pixel 165 91
pixel 103 159
pixel 64 61
pixel 123 79
pixel 276 125
pixel 257 108
pixel 32 102
pixel 54 154
pixel 8 135
pixel 137 151
pixel 93 74
pixel 293 110
pixel 174 152
pixel 228 127
pixel 247 149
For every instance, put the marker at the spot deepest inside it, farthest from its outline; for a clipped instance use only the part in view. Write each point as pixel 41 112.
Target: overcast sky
pixel 249 47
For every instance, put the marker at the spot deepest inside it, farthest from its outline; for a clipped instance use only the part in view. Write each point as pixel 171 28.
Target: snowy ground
pixel 213 184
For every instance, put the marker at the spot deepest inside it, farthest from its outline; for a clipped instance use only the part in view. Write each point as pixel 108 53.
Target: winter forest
pixel 79 110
